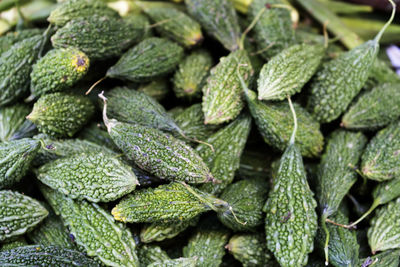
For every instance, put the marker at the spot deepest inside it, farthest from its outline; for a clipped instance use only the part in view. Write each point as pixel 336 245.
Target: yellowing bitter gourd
pixel 222 94
pixel 11 118
pixel 61 114
pixel 218 18
pixel 92 176
pixel 18 214
pixel 94 229
pixel 287 72
pixel 15 159
pixel 58 70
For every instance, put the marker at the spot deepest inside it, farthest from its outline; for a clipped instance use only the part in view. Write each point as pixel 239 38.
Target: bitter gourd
pixel 380 160
pixel 11 38
pixel 148 254
pixel 11 118
pixel 92 176
pixel 58 70
pixel 97 133
pixel 191 74
pixel 222 94
pixel 61 114
pixel 218 18
pixel 20 241
pixel 157 89
pixel 287 72
pixel 381 72
pixel 18 214
pixel 179 262
pixel 15 159
pixel 389 258
pixel 223 161
pixel 94 229
pixel 152 58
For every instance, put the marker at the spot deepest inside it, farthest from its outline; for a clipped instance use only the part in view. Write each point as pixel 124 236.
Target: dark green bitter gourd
pixel 218 18
pixel 224 159
pixel 173 23
pixel 167 203
pixel 331 90
pixel 20 241
pixel 15 160
pixel 389 258
pixel 249 249
pixel 381 158
pixel 191 74
pixel 76 9
pixel 112 35
pixel 15 67
pixel 287 72
pixel 384 232
pixel 157 89
pixel 26 130
pixel 222 94
pixel 273 31
pixel 179 262
pixel 381 72
pixel 58 70
pixel 149 254
pixel 97 133
pixel 61 114
pixel 11 118
pixel 6 41
pixel 40 255
pixel 18 214
pixel 96 177
pixel 94 229
pixel 275 123
pixel 151 58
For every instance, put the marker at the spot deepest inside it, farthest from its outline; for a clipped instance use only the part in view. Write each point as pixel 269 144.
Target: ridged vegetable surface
pixel 15 160
pixel 374 109
pixel 61 114
pixel 222 94
pixel 179 262
pixel 381 158
pixel 149 254
pixel 96 177
pixel 287 72
pixel 247 198
pixel 191 74
pixel 20 241
pixel 228 144
pixel 273 31
pixel 389 258
pixel 167 203
pixel 18 214
pixel 112 35
pixel 275 124
pixel 381 72
pixel 15 67
pixel 39 255
pixel 152 58
pixel 6 41
pixel 157 89
pixel 95 230
pixel 58 70
pixel 11 118
pixel 218 18
pixel 75 9
pixel 96 133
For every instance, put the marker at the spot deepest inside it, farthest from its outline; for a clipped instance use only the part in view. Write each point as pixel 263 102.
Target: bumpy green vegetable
pixel 249 249
pixel 112 35
pixel 15 159
pixel 58 70
pixel 15 67
pixel 18 214
pixel 222 100
pixel 151 58
pixel 180 262
pixel 381 72
pixel 191 74
pixel 11 38
pixel 273 31
pixel 384 231
pixel 374 109
pixel 94 229
pixel 389 258
pixel 76 9
pixel 287 72
pixel 38 255
pixel 218 18
pixel 167 203
pixel 148 254
pixel 247 198
pixel 61 114
pixel 157 89
pixel 26 130
pixel 223 161
pixel 18 242
pixel 92 176
pixel 11 118
pixel 207 244
pixel 381 158
pixel 95 133
pixel 173 24
pixel 275 123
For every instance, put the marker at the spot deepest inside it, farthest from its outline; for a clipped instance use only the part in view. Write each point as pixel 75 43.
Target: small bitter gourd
pixel 18 214
pixel 389 258
pixel 61 114
pixel 11 118
pixel 20 241
pixel 149 254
